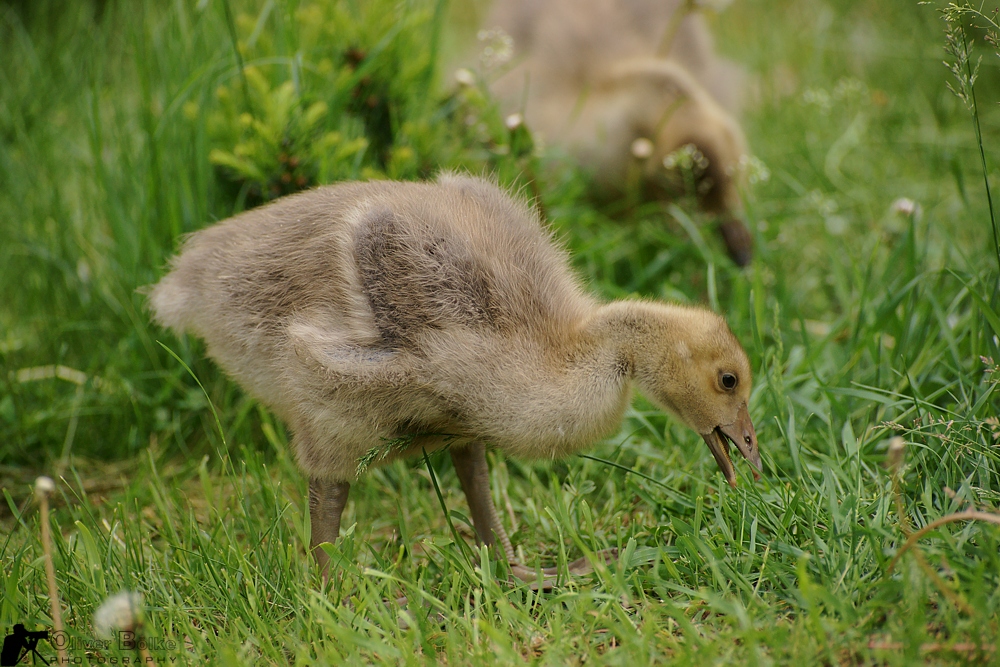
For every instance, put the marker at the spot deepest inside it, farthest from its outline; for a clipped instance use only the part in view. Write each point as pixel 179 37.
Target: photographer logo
pixel 20 643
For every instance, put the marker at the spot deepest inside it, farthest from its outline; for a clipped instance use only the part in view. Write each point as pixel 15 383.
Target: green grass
pixel 861 323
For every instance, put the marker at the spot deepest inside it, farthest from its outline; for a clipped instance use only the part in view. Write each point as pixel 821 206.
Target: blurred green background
pixel 126 124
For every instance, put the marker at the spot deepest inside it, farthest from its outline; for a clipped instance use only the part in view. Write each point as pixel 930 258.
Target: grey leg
pixel 326 503
pixel 474 474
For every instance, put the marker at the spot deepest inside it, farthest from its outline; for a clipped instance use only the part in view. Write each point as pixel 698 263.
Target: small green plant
pixel 284 145
pixel 339 100
pixel 394 446
pixel 321 94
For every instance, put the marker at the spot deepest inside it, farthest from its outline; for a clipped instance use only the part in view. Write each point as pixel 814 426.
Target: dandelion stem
pixel 667 40
pixel 147 659
pixel 43 486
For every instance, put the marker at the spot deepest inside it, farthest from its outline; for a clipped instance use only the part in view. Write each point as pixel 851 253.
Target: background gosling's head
pixel 697 370
pixel 707 149
pixel 684 142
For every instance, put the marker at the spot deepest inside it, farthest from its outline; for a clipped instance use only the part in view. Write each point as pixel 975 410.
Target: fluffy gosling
pixel 588 78
pixel 382 319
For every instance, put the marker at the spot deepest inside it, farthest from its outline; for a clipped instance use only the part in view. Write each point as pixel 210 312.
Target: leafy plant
pixel 322 94
pixel 284 148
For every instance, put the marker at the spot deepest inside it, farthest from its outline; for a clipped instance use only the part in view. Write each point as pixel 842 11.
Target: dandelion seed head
pixel 498 48
pixel 642 148
pixel 117 613
pixel 687 158
pixel 906 207
pixel 465 77
pixel 754 169
pixel 44 486
pixel 818 98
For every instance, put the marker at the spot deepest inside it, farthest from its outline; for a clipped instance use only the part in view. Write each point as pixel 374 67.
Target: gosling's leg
pixel 473 473
pixel 326 503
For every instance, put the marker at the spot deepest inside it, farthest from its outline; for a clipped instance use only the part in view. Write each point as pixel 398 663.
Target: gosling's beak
pixel 738 241
pixel 741 434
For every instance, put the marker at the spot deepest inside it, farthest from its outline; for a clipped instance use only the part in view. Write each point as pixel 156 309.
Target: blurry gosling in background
pixel 635 120
pixel 590 78
pixel 382 319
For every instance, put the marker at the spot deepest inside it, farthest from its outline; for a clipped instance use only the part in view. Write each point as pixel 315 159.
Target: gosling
pixel 383 319
pixel 632 123
pixel 568 42
pixel 588 79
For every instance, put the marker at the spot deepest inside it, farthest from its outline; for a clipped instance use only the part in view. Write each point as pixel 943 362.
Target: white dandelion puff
pixel 465 77
pixel 498 48
pixel 44 485
pixel 906 207
pixel 642 148
pixel 119 612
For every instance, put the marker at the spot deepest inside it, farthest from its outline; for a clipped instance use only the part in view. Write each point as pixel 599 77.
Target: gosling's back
pixel 376 266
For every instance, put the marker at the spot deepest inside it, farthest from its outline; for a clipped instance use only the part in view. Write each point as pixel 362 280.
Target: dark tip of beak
pixel 742 434
pixel 718 444
pixel 738 241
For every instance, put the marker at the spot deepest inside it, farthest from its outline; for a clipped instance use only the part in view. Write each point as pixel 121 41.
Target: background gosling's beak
pixel 741 433
pixel 738 240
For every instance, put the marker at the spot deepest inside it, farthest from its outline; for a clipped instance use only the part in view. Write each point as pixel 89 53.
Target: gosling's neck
pixel 583 397
pixel 646 343
pixel 630 331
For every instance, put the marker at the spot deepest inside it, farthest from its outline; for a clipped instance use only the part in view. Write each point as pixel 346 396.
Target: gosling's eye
pixel 728 381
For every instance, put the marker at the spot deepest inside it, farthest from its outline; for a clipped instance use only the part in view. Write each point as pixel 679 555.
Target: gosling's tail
pixel 177 300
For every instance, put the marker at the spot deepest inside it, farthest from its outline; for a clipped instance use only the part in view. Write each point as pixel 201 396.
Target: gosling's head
pixel 697 370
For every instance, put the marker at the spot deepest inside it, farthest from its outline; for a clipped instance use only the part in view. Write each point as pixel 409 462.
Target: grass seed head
pixel 896 448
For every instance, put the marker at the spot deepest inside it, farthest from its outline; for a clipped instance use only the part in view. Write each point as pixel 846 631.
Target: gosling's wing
pixel 330 361
pixel 417 280
pixel 251 272
pixel 462 254
pixel 240 283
